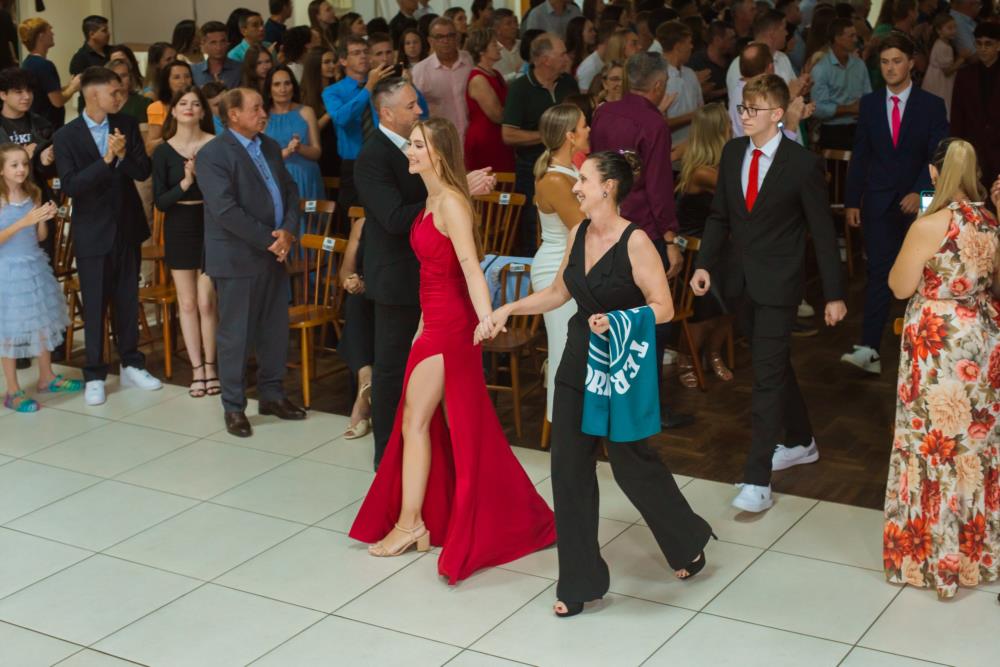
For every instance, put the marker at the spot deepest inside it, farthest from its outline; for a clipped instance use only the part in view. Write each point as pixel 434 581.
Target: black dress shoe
pixel 803 330
pixel 237 424
pixel 283 409
pixel 670 419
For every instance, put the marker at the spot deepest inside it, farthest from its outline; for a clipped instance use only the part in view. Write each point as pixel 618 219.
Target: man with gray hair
pixel 546 84
pixel 637 123
pixel 442 76
pixel 392 198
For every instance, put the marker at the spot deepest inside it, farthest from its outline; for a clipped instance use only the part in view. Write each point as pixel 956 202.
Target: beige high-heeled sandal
pixel 423 542
pixel 359 430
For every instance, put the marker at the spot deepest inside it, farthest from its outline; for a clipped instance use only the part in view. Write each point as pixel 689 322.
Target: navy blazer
pixel 105 201
pixel 881 174
pixel 239 213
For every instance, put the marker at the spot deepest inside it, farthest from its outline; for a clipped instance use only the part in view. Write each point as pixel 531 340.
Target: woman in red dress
pixel 448 476
pixel 486 94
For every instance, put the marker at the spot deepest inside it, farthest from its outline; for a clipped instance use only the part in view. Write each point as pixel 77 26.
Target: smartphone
pixel 925 199
pixel 397 69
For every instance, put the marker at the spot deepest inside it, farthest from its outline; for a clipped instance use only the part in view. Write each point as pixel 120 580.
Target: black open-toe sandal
pixel 697 565
pixel 215 389
pixel 193 390
pixel 572 609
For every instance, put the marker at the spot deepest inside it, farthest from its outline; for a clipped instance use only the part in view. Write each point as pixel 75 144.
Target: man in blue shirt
pixel 349 103
pixel 252 29
pixel 840 78
pixel 216 66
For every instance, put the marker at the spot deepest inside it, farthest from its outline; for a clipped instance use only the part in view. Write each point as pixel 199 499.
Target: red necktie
pixel 752 179
pixel 895 120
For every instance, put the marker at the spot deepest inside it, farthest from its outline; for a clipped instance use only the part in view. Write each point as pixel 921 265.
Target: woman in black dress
pixel 607 267
pixel 176 193
pixel 711 128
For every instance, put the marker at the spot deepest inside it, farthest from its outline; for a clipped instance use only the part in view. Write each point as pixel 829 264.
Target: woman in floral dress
pixel 942 505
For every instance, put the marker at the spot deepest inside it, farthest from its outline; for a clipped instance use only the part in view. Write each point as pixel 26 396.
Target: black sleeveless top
pixel 609 286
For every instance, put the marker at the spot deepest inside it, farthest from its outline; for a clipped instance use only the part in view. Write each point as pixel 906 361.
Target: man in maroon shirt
pixel 636 122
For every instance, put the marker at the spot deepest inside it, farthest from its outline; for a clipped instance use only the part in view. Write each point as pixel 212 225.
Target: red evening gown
pixel 480 505
pixel 484 146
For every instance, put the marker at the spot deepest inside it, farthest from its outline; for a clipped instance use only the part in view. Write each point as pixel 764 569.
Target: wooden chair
pixel 316 219
pixel 520 339
pixel 65 272
pixel 836 174
pixel 499 213
pixel 505 181
pixel 683 297
pixel 318 308
pixel 154 250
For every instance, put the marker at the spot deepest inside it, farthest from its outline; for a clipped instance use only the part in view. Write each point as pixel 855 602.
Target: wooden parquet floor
pixel 851 413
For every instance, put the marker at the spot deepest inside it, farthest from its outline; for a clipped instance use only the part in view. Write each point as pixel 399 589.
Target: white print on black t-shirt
pixel 20 139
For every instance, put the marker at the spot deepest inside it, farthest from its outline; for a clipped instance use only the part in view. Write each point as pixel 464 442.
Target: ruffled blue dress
pixel 32 305
pixel 305 173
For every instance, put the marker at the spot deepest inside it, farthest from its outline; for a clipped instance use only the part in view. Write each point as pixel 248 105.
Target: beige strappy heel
pixel 422 540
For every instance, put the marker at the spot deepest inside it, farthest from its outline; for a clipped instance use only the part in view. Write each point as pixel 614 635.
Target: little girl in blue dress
pixel 33 314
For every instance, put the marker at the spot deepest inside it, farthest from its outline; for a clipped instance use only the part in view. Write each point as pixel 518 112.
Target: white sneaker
pixel 786 457
pixel 669 357
pixel 805 310
pixel 753 498
pixel 139 377
pixel 864 358
pixel 93 393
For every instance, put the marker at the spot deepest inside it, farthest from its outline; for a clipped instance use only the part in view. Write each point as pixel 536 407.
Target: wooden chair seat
pixel 158 294
pixel 152 253
pixel 306 316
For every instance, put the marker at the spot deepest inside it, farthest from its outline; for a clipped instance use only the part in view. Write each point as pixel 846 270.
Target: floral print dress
pixel 942 504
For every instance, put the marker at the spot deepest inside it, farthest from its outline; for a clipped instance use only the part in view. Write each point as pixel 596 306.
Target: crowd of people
pixel 633 130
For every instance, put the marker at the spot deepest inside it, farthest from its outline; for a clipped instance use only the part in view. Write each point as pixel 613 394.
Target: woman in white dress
pixel 564 133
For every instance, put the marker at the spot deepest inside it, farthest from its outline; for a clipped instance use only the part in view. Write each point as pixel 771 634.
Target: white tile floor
pixel 140 532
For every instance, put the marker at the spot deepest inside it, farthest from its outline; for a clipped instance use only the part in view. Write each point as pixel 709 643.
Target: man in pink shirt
pixel 443 75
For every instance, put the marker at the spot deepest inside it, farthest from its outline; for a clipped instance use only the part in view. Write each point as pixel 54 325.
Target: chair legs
pixel 546 433
pixel 849 247
pixel 515 389
pixel 167 324
pixel 695 355
pixel 306 398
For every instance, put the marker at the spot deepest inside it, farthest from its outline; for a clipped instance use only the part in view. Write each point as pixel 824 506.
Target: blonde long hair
pixel 28 186
pixel 555 123
pixel 710 129
pixel 958 170
pixel 441 137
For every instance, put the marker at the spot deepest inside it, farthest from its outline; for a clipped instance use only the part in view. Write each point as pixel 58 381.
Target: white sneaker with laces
pixel 753 498
pixel 786 457
pixel 139 377
pixel 93 393
pixel 805 310
pixel 865 358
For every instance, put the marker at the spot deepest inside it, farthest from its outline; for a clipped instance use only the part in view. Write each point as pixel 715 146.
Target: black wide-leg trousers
pixel 680 533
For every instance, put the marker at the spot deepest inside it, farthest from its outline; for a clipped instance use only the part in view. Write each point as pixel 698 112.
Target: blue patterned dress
pixel 32 306
pixel 305 173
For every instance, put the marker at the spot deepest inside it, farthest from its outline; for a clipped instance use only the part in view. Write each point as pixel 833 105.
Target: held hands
pixel 188 179
pixel 481 181
pixel 835 312
pixel 292 148
pixel 599 323
pixel 701 281
pixel 492 325
pixel 116 144
pixel 353 284
pixel 282 245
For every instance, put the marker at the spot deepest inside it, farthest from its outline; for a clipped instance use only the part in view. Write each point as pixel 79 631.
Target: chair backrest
pixel 520 276
pixel 325 253
pixel 356 213
pixel 505 181
pixel 680 290
pixel 62 242
pixel 836 173
pixel 499 214
pixel 58 193
pixel 159 220
pixel 332 186
pixel 317 216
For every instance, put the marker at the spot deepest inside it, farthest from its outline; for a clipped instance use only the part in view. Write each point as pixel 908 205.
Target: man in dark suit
pixel 975 101
pixel 770 193
pixel 251 210
pixel 899 127
pixel 392 198
pixel 99 156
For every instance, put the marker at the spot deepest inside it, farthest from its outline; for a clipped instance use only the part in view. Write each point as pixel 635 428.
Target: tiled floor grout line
pixel 110 655
pixel 550 586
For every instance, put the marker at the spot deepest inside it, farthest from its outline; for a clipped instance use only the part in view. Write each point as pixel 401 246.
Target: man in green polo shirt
pixel 547 83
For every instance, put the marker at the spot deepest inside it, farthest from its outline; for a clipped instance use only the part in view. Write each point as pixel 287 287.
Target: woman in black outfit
pixel 607 267
pixel 188 127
